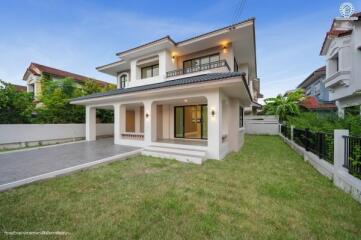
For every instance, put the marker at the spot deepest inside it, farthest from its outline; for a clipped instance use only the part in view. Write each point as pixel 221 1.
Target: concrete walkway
pixel 21 167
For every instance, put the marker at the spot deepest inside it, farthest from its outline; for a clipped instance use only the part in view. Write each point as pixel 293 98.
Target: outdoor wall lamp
pixel 146 115
pixel 213 113
pixel 224 48
pixel 173 58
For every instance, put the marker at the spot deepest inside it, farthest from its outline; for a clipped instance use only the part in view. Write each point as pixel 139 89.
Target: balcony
pixel 338 79
pixel 199 68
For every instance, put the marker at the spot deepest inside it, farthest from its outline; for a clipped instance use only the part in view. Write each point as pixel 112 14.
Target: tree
pixel 15 106
pixel 284 106
pixel 55 104
pixel 55 100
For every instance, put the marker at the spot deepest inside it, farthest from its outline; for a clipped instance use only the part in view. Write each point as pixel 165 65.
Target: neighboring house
pixel 182 100
pixel 342 51
pixel 19 88
pixel 34 71
pixel 317 99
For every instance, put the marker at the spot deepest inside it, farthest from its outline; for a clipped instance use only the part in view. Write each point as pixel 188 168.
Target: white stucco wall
pixel 15 133
pixel 262 125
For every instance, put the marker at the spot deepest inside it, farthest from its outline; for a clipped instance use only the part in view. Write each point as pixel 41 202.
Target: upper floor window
pixel 122 80
pixel 150 71
pixel 334 64
pixel 199 62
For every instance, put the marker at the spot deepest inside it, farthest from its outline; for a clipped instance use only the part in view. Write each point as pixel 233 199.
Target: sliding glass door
pixel 191 122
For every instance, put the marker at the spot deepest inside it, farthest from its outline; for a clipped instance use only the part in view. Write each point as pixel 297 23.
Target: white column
pixel 339 148
pixel 90 123
pixel 233 125
pixel 214 124
pixel 340 110
pixel 147 122
pixel 123 118
pixel 166 121
pixel 117 122
pixel 137 119
pixel 292 127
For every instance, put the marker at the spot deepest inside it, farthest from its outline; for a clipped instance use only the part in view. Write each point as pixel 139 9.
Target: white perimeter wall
pixel 15 133
pixel 263 125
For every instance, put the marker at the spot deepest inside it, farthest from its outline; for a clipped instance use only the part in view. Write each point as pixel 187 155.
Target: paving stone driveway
pixel 20 165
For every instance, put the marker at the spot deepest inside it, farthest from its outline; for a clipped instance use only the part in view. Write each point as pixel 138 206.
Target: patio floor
pixel 21 165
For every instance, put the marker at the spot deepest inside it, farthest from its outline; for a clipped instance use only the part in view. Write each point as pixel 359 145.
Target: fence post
pixel 292 127
pixel 339 148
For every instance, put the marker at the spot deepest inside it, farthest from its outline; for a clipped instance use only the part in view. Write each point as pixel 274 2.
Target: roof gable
pixel 313 77
pixel 38 69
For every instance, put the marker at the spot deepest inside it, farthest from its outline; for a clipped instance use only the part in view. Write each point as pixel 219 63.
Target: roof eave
pixel 82 100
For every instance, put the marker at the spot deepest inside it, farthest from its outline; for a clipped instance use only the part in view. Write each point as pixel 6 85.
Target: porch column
pixel 150 121
pixel 123 118
pixel 117 123
pixel 233 125
pixel 214 124
pixel 90 123
pixel 137 117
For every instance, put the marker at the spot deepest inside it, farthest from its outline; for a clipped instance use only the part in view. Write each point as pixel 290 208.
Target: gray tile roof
pixel 171 83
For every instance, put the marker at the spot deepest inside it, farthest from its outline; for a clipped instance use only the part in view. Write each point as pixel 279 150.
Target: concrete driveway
pixel 21 167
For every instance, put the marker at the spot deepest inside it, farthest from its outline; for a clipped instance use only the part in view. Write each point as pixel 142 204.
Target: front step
pixel 182 155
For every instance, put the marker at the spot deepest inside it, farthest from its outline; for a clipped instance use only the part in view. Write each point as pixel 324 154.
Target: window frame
pixel 152 67
pixel 241 118
pixel 123 81
pixel 235 65
pixel 200 60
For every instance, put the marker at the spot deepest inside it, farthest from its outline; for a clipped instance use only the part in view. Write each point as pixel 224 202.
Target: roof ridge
pixel 187 39
pixel 63 73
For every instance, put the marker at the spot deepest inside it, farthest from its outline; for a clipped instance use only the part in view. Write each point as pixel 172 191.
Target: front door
pixel 191 122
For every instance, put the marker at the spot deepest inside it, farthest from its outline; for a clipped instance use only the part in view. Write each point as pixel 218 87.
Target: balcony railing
pixel 132 136
pixel 202 67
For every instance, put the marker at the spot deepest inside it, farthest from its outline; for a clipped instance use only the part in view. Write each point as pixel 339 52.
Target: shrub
pixel 15 107
pixel 326 123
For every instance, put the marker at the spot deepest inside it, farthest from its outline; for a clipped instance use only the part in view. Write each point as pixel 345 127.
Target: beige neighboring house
pixel 19 88
pixel 182 100
pixel 35 70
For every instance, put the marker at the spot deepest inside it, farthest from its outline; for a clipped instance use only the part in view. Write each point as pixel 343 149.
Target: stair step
pixel 179 157
pixel 178 146
pixel 181 151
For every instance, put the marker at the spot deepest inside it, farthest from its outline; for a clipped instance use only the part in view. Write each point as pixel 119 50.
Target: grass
pixel 266 191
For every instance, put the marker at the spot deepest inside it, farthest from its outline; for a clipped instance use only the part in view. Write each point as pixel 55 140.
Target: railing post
pixel 292 127
pixel 339 148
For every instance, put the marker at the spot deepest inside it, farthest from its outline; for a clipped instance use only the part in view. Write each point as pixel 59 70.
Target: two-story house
pixel 182 100
pixel 317 95
pixel 342 51
pixel 34 72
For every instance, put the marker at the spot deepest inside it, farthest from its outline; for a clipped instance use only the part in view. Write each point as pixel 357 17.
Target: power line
pixel 239 10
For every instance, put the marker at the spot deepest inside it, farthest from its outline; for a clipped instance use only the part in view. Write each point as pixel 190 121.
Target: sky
pixel 79 35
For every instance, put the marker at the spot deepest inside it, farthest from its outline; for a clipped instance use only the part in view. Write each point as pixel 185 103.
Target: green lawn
pixel 266 191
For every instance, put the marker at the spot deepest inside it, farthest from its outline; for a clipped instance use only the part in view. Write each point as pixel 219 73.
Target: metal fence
pixel 286 131
pixel 353 155
pixel 319 143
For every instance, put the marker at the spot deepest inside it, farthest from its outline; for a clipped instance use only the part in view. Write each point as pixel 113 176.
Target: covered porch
pixel 200 117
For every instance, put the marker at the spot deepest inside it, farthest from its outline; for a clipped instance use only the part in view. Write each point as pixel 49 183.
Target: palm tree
pixel 284 106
